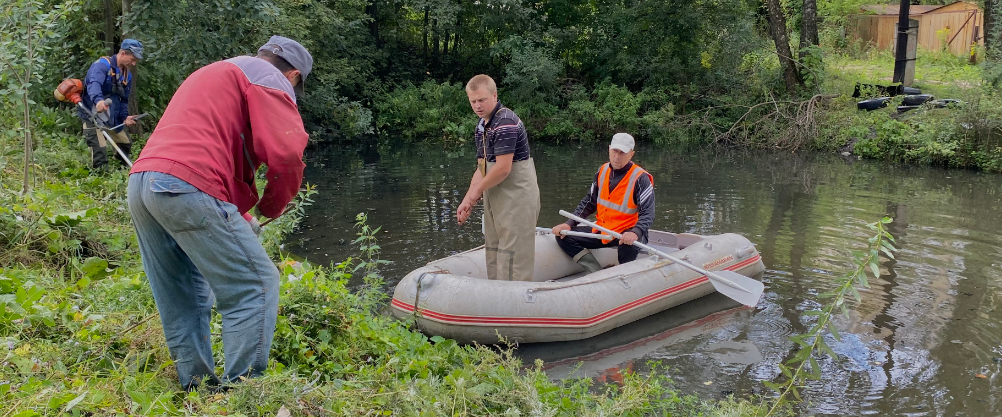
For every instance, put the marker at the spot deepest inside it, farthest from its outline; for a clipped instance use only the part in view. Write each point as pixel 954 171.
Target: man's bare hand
pixel 628 238
pixel 100 106
pixel 131 120
pixel 560 227
pixel 465 209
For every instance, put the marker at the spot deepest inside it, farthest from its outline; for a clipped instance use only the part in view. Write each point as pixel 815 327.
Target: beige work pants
pixel 511 209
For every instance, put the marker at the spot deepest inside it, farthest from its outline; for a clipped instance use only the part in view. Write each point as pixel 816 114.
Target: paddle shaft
pixel 573 233
pixel 708 274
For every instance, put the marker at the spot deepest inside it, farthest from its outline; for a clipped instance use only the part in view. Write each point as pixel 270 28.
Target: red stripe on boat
pixel 514 321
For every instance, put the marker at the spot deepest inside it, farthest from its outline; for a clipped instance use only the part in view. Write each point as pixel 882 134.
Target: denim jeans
pixel 198 251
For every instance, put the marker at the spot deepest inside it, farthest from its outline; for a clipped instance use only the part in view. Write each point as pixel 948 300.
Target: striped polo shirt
pixel 504 134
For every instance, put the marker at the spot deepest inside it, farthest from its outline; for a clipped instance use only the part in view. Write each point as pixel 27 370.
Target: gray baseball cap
pixel 294 53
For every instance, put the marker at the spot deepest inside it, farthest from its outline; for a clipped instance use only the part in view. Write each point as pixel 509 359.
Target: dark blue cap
pixel 133 46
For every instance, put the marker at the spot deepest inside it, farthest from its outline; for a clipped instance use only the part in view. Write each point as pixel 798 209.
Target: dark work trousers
pixel 99 147
pixel 573 245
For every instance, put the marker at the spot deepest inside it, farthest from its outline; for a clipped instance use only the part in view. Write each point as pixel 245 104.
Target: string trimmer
pixel 69 91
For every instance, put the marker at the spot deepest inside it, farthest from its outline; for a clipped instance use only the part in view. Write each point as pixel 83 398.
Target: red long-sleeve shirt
pixel 225 120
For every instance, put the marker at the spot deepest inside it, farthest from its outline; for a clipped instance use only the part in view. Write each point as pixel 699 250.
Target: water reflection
pixel 914 345
pixel 619 349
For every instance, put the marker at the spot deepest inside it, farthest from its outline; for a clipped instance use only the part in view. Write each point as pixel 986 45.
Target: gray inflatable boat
pixel 451 297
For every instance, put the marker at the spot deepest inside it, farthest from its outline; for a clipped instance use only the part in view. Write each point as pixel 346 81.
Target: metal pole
pixel 901 48
pixel 115 145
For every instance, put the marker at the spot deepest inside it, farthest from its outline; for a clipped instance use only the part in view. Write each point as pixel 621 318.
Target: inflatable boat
pixel 451 297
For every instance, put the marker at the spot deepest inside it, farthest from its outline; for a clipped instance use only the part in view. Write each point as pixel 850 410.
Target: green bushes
pixel 440 113
pixel 962 136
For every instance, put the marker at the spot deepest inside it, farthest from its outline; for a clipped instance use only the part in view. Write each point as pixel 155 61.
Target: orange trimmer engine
pixel 69 90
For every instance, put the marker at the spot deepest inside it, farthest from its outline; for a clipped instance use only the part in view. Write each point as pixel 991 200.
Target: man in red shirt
pixel 190 192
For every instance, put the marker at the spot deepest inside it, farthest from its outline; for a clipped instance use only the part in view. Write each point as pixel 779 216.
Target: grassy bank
pixel 81 335
pixel 966 135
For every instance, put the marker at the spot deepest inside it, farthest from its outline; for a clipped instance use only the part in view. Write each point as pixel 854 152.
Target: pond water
pixel 925 340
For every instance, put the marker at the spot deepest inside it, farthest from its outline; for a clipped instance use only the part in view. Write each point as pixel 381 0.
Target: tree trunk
pixel 809 25
pixel 455 41
pixel 109 28
pixel 126 26
pixel 434 43
pixel 777 28
pixel 136 129
pixel 989 29
pixel 373 11
pixel 445 45
pixel 424 33
pixel 28 157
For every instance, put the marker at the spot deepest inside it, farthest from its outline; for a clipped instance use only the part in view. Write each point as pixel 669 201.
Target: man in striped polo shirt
pixel 506 178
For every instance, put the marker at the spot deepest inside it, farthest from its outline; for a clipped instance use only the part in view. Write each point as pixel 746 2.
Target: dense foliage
pixel 554 60
pixel 676 73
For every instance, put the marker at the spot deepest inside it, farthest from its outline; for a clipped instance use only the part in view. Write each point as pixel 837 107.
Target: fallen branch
pixel 791 123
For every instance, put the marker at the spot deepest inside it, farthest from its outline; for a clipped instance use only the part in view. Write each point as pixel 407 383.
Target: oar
pixel 738 287
pixel 544 231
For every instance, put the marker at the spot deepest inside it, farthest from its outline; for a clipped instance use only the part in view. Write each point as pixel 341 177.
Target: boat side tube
pixel 452 299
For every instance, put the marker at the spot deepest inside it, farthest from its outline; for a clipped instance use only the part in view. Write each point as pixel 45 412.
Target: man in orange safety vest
pixel 622 198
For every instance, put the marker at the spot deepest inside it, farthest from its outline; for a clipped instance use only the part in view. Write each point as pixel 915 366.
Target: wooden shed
pixel 957 26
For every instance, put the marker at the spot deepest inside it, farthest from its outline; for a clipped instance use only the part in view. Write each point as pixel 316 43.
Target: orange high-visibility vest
pixel 616 209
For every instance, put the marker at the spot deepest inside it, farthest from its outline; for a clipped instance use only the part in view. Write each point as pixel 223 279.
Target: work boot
pixel 99 158
pixel 126 148
pixel 589 262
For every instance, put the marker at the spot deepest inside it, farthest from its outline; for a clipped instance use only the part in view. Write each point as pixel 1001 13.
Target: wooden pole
pixel 901 50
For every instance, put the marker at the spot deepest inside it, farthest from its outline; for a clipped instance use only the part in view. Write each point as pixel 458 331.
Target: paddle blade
pixel 749 298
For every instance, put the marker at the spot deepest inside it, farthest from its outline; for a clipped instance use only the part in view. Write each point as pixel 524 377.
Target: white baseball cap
pixel 622 141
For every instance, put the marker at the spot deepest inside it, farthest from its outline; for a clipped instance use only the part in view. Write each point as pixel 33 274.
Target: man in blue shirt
pixel 109 78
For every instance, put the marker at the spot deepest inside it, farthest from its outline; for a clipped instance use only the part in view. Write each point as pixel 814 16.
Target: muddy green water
pixel 916 344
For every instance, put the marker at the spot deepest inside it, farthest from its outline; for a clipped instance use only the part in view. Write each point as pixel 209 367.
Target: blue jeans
pixel 197 251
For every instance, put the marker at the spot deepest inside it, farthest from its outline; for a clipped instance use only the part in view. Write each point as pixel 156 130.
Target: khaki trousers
pixel 511 209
